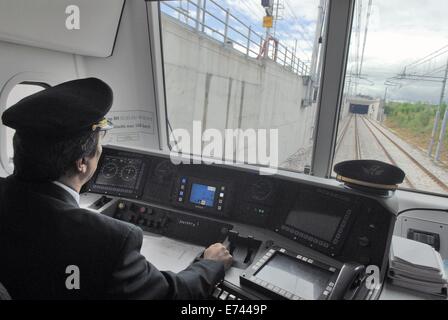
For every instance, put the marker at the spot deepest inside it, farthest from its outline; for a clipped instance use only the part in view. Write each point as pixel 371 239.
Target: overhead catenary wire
pixel 369 12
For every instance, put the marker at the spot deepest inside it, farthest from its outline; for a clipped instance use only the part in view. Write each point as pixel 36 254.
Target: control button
pixel 219 208
pixel 264 284
pixel 363 241
pixel 252 278
pixel 329 288
pixel 270 287
pixel 142 210
pixel 282 250
pixel 332 269
pixel 271 251
pixel 220 201
pixel 288 295
pixel 331 284
pixel 181 193
pixel 231 297
pixel 304 258
pixel 224 295
pixel 295 297
pixel 221 195
pixel 310 260
pixel 121 206
pixel 223 188
pixel 299 257
pixel 180 199
pixel 282 292
pixel 182 187
pixel 276 289
pixel 216 293
pixel 326 293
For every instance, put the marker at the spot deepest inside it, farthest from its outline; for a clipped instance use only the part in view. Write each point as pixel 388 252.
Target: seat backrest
pixel 4 295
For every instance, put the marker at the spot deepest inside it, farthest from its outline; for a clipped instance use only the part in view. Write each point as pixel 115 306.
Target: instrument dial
pixel 128 173
pixel 164 170
pixel 261 190
pixel 109 170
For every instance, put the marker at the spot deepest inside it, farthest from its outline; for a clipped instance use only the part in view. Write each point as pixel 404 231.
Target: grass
pixel 414 123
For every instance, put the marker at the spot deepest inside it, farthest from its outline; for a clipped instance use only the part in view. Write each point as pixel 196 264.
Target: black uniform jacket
pixel 43 232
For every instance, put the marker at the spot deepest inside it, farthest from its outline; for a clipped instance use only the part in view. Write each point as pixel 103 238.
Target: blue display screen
pixel 202 194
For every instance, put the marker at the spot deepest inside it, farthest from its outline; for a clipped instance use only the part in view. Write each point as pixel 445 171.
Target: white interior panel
pixel 42 23
pixel 129 72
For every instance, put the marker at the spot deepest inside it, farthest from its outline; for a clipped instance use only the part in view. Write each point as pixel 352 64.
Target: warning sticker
pixel 130 126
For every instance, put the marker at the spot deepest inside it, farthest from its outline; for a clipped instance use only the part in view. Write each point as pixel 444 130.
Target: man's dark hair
pixel 38 159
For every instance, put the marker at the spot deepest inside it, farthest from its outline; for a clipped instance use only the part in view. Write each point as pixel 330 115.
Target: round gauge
pixel 164 169
pixel 109 170
pixel 261 190
pixel 128 173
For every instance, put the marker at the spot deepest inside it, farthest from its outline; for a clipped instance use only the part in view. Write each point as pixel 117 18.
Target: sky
pixel 399 33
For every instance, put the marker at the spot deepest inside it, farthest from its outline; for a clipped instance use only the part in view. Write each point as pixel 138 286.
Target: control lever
pixel 348 282
pixel 243 249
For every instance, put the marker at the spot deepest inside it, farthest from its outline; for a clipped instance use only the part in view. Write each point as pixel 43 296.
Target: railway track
pixel 388 155
pixel 358 154
pixel 434 178
pixel 342 135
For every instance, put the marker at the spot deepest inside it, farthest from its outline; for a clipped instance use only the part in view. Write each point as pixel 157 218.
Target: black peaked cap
pixel 69 109
pixel 370 171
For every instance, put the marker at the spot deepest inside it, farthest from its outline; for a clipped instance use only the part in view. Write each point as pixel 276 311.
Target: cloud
pixel 401 32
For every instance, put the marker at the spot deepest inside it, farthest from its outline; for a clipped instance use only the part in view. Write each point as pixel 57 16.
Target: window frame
pixel 29 78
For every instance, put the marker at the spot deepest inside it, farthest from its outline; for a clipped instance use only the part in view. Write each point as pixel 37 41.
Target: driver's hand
pixel 219 253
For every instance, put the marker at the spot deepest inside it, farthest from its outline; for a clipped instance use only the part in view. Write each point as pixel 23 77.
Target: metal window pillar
pixel 335 55
pixel 155 38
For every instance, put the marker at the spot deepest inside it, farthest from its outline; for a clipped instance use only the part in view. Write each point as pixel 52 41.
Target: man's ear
pixel 81 165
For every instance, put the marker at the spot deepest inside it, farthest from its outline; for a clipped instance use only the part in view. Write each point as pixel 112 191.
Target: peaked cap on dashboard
pixel 67 110
pixel 369 173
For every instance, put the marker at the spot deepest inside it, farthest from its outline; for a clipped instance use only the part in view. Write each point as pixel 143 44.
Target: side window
pixel 394 105
pixel 19 92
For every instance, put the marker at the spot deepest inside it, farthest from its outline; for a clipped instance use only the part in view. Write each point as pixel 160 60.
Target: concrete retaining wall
pixel 216 84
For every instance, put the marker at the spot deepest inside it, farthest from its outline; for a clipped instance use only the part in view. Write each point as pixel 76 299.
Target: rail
pixel 214 20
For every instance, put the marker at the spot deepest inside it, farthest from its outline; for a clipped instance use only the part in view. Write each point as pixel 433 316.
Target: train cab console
pixel 292 236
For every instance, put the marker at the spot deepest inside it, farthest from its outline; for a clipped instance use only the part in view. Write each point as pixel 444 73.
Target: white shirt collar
pixel 72 192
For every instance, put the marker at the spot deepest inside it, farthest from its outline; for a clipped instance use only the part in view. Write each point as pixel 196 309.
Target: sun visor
pixel 83 27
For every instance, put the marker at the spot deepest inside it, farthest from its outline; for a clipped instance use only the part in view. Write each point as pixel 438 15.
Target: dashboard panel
pixel 202 204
